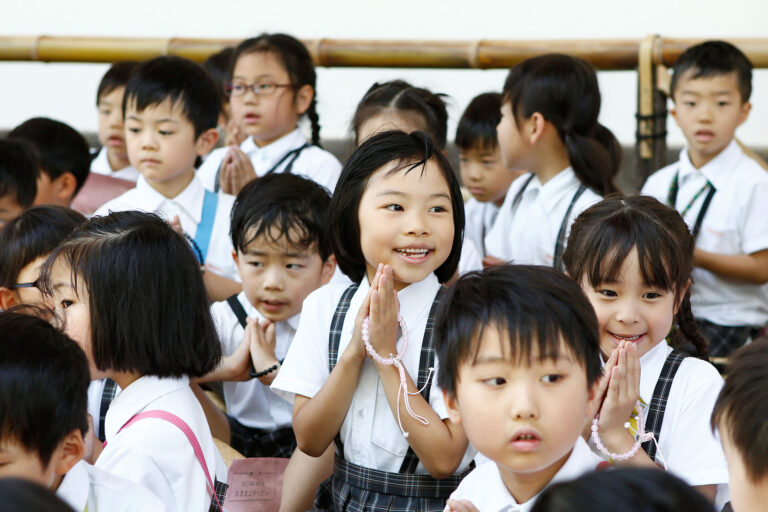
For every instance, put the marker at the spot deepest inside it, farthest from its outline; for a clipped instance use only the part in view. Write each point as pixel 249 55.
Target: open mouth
pixel 116 141
pixel 626 338
pixel 525 441
pixel 251 118
pixel 272 305
pixel 414 253
pixel 704 135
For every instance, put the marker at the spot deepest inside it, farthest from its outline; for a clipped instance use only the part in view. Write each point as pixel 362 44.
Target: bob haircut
pixel 33 234
pixel 604 234
pixel 713 58
pixel 477 126
pixel 179 80
pixel 539 309
pixel 148 307
pixel 19 170
pixel 286 206
pixel 44 380
pixel 636 489
pixel 116 76
pixel 406 152
pixel 742 407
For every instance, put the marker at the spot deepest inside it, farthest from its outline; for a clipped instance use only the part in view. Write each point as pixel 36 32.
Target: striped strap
pixel 658 404
pixel 205 228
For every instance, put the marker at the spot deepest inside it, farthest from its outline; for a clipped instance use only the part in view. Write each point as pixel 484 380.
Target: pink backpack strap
pixel 182 425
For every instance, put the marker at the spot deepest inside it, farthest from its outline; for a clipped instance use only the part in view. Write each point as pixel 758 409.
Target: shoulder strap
pixel 658 404
pixel 205 228
pixel 519 195
pixel 292 153
pixel 703 212
pixel 560 242
pixel 238 310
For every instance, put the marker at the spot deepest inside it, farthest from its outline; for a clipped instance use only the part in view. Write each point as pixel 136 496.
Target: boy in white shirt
pixel 43 381
pixel 721 193
pixel 171 108
pixel 519 368
pixel 282 250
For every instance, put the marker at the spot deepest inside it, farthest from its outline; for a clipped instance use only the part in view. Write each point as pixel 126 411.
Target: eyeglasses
pixel 33 284
pixel 259 88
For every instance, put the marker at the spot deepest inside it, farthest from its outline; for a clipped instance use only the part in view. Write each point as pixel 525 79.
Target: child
pixel 549 125
pixel 171 107
pixel 633 258
pixel 519 366
pixel 219 66
pixel 130 293
pixel 273 86
pixel 43 382
pixel 740 415
pixel 26 242
pixel 279 229
pixel 65 159
pixel 396 224
pixel 19 172
pixel 482 169
pixel 721 193
pixel 112 158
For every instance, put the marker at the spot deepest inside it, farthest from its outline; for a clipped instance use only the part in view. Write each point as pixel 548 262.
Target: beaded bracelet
pixel 641 437
pixel 258 375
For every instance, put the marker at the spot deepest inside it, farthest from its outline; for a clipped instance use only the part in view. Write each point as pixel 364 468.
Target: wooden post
pixel 651 111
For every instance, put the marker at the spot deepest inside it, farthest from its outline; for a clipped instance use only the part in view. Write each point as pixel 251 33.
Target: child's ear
pixel 593 405
pixel 234 256
pixel 329 267
pixel 452 406
pixel 681 297
pixel 64 188
pixel 746 107
pixel 69 452
pixel 534 127
pixel 7 298
pixel 304 96
pixel 205 142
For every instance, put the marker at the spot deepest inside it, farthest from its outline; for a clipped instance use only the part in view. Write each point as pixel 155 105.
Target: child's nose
pixel 273 279
pixel 524 404
pixel 417 224
pixel 627 312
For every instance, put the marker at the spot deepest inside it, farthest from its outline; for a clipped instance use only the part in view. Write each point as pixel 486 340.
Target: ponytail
pixel 689 331
pixel 314 119
pixel 594 158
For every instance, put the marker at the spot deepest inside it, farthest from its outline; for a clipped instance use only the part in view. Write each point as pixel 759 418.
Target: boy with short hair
pixel 282 250
pixel 483 171
pixel 741 416
pixel 170 108
pixel 720 192
pixel 19 171
pixel 65 159
pixel 43 381
pixel 519 367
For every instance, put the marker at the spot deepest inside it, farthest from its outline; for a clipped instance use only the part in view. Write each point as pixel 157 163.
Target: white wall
pixel 66 91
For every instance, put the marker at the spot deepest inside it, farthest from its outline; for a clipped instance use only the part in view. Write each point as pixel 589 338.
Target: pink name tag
pixel 255 484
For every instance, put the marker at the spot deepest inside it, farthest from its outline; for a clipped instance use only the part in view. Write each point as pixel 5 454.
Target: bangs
pixel 280 225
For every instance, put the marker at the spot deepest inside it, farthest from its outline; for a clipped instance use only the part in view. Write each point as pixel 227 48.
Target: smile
pixel 414 253
pixel 627 338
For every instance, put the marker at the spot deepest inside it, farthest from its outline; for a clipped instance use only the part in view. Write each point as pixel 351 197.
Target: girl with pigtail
pixel 633 258
pixel 272 85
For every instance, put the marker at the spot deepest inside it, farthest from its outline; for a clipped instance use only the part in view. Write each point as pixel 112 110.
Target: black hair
pixel 19 170
pixel 477 126
pixel 116 76
pixel 742 407
pixel 534 306
pixel 44 380
pixel 713 58
pixel 399 95
pixel 564 90
pixel 178 80
pixel 20 494
pixel 60 148
pixel 604 234
pixel 149 311
pixel 296 60
pixel 282 205
pixel 219 66
pixel 33 234
pixel 636 489
pixel 406 152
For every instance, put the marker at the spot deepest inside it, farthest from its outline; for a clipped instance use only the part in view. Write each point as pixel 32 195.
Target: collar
pixel 190 200
pixel 651 363
pixel 75 485
pixel 274 151
pixel 137 397
pixel 717 171
pixel 292 323
pixel 556 190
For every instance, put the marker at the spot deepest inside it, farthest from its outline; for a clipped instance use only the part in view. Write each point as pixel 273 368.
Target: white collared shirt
pixel 100 165
pixel 85 487
pixel 252 403
pixel 479 220
pixel 370 432
pixel 314 163
pixel 527 234
pixel 188 205
pixel 487 491
pixel 155 453
pixel 735 223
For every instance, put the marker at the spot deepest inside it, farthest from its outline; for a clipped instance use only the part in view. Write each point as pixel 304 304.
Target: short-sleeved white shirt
pixel 527 234
pixel 85 487
pixel 314 163
pixel 100 165
pixel 370 433
pixel 486 490
pixel 252 403
pixel 95 390
pixel 188 205
pixel 470 258
pixel 736 223
pixel 155 453
pixel 479 220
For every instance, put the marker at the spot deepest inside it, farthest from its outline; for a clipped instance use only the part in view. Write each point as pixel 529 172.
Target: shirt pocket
pixel 386 432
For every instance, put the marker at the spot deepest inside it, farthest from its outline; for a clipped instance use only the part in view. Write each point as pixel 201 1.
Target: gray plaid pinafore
pixel 355 488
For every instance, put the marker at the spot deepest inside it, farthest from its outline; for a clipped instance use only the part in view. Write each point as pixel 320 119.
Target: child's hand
pixel 176 225
pixel 235 366
pixel 93 446
pixel 261 338
pixel 356 348
pixel 460 506
pixel 384 310
pixel 492 261
pixel 236 171
pixel 622 391
pixel 235 134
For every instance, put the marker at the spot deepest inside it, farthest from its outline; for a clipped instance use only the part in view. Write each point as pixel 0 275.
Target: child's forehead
pixel 689 82
pixel 113 95
pixel 497 345
pixel 165 110
pixel 277 242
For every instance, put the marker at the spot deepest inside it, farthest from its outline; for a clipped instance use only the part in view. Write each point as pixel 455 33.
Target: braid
pixel 689 329
pixel 315 120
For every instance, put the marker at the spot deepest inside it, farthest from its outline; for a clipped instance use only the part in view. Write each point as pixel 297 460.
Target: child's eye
pixel 394 207
pixel 66 303
pixel 165 132
pixel 438 209
pixel 722 103
pixel 607 293
pixel 294 266
pixel 256 264
pixel 689 103
pixel 133 129
pixel 495 381
pixel 651 295
pixel 551 379
pixel 106 112
pixel 489 162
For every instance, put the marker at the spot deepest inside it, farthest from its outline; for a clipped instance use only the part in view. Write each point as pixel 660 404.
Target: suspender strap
pixel 107 395
pixel 334 336
pixel 238 310
pixel 288 168
pixel 205 228
pixel 519 195
pixel 658 404
pixel 560 243
pixel 672 201
pixel 702 212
